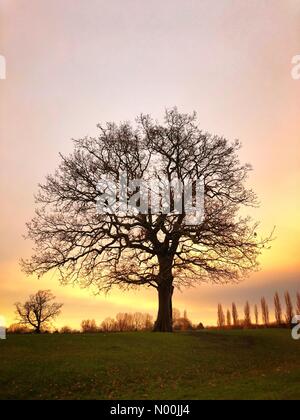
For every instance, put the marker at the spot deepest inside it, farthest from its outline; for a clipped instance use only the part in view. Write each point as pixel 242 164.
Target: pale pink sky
pixel 74 63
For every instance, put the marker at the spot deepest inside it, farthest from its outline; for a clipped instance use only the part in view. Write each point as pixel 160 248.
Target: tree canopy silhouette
pixel 38 311
pixel 160 250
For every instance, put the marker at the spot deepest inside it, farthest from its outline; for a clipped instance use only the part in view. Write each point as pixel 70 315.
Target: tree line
pixel 123 322
pixel 259 315
pixel 39 311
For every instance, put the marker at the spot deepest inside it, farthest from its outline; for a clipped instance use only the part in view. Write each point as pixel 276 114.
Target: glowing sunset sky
pixel 74 63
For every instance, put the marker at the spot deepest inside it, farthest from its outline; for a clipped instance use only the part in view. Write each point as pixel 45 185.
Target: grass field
pixel 253 364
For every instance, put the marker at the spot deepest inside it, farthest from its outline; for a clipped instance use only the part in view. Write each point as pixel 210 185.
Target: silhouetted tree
pixel 221 316
pixel 18 329
pixel 265 312
pixel 89 326
pixel 247 312
pixel 182 324
pixel 125 322
pixel 175 314
pixel 228 318
pixel 148 322
pixel 256 315
pixel 278 309
pixel 108 325
pixel 138 321
pixel 146 247
pixel 235 315
pixel 128 322
pixel 38 311
pixel 66 330
pixel 289 312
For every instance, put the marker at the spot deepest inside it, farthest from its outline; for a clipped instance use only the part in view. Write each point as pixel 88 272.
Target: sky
pixel 71 64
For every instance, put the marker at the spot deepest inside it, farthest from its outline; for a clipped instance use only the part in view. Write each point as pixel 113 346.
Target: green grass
pixel 253 364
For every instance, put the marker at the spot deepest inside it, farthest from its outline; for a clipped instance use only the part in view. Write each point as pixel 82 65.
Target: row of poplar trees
pixel 260 316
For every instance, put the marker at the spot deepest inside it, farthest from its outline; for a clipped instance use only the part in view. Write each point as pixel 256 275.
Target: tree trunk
pixel 164 316
pixel 165 294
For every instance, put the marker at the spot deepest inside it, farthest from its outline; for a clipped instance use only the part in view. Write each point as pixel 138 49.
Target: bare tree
pixel 247 312
pixel 221 316
pixel 138 321
pixel 256 315
pixel 235 316
pixel 289 314
pixel 128 322
pixel 182 324
pixel 265 312
pixel 148 322
pixel 157 249
pixel 278 309
pixel 66 330
pixel 38 311
pixel 228 318
pixel 125 322
pixel 18 329
pixel 175 314
pixel 89 326
pixel 108 325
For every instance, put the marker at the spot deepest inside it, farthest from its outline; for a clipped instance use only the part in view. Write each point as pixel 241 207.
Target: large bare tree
pixel 145 248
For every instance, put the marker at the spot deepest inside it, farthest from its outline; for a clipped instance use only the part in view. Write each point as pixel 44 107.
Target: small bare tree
pixel 183 324
pixel 66 330
pixel 89 326
pixel 247 312
pixel 148 322
pixel 278 309
pixel 221 317
pixel 289 314
pixel 125 322
pixel 235 315
pixel 175 314
pixel 256 315
pixel 138 321
pixel 18 329
pixel 265 312
pixel 38 311
pixel 228 318
pixel 108 325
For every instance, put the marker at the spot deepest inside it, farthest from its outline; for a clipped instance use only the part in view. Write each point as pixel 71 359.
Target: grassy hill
pixel 256 364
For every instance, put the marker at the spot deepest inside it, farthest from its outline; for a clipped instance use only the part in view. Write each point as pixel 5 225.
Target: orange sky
pixel 72 64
